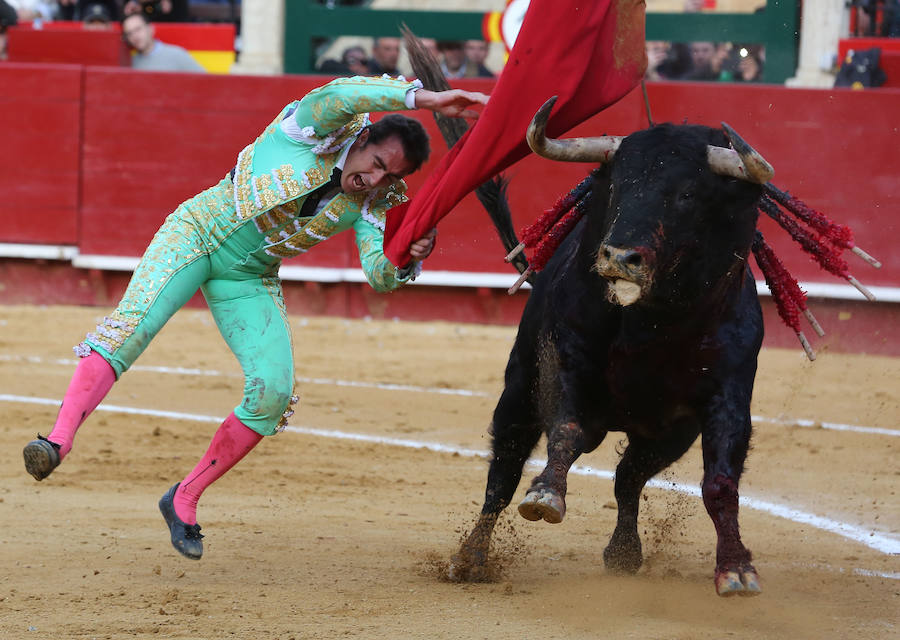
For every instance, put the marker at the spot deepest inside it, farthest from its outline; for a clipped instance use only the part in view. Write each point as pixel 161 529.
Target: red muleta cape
pixel 590 53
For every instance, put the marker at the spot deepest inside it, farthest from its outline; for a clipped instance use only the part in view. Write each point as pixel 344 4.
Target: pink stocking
pixel 92 380
pixel 232 441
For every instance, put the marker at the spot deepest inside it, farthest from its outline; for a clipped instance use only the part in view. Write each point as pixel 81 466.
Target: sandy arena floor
pixel 317 535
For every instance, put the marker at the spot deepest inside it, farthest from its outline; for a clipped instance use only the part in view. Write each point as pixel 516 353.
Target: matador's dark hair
pixel 409 131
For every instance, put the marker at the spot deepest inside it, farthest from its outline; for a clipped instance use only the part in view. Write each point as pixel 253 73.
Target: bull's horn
pixel 742 162
pixel 600 149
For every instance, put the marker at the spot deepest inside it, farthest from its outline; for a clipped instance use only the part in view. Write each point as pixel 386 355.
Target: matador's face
pixel 374 165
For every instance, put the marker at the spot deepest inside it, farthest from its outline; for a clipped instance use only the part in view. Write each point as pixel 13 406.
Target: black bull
pixel 646 321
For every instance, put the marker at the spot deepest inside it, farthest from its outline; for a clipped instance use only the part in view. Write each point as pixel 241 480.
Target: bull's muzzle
pixel 627 271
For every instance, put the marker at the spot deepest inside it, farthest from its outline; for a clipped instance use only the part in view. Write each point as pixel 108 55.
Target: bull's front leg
pixel 512 445
pixel 726 440
pixel 470 563
pixel 643 459
pixel 546 499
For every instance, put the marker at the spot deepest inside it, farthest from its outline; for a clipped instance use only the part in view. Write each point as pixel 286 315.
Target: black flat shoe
pixel 41 457
pixel 186 538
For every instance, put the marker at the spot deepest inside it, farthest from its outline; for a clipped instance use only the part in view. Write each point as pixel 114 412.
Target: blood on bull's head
pixel 680 213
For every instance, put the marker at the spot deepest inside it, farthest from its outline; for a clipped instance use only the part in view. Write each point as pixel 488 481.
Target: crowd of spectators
pixel 744 62
pixel 156 10
pixel 457 58
pixel 704 61
pixel 692 61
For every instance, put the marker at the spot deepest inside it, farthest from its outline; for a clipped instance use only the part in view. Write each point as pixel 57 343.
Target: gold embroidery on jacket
pixel 316 177
pixel 285 175
pixel 279 251
pixel 269 196
pixel 275 218
pixel 311 231
pixel 242 189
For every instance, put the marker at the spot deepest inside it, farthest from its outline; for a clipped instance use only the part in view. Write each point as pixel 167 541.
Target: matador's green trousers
pixel 200 246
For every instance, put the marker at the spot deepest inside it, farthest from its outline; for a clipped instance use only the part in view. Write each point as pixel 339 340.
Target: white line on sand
pixel 883 543
pixel 785 422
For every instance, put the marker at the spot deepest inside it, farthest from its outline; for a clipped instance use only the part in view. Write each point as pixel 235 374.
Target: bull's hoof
pixel 463 569
pixel 742 582
pixel 543 504
pixel 624 554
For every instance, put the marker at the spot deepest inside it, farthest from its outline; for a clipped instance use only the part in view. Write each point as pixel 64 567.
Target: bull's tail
pixel 491 194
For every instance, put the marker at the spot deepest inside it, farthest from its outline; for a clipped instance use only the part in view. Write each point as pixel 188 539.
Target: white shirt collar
pixel 340 162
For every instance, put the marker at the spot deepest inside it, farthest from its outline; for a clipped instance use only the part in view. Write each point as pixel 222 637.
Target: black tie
pixel 312 200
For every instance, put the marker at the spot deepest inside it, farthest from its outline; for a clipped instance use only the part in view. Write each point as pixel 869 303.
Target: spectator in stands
pixel 722 61
pixel 151 54
pixel 657 53
pixel 453 58
pixel 97 17
pixel 706 61
pixel 698 60
pixel 677 63
pixel 319 169
pixel 750 68
pixel 353 62
pixel 476 53
pixel 159 10
pixel 385 55
pixel 455 63
pixel 356 60
pixel 742 63
pixel 81 9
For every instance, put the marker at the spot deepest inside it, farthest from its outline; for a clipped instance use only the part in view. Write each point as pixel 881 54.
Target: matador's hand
pixel 422 248
pixel 454 103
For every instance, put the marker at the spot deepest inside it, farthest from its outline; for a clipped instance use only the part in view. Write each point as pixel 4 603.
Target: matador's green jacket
pixel 297 153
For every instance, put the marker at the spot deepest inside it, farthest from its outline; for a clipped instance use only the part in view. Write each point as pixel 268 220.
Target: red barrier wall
pixel 70 44
pixel 40 108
